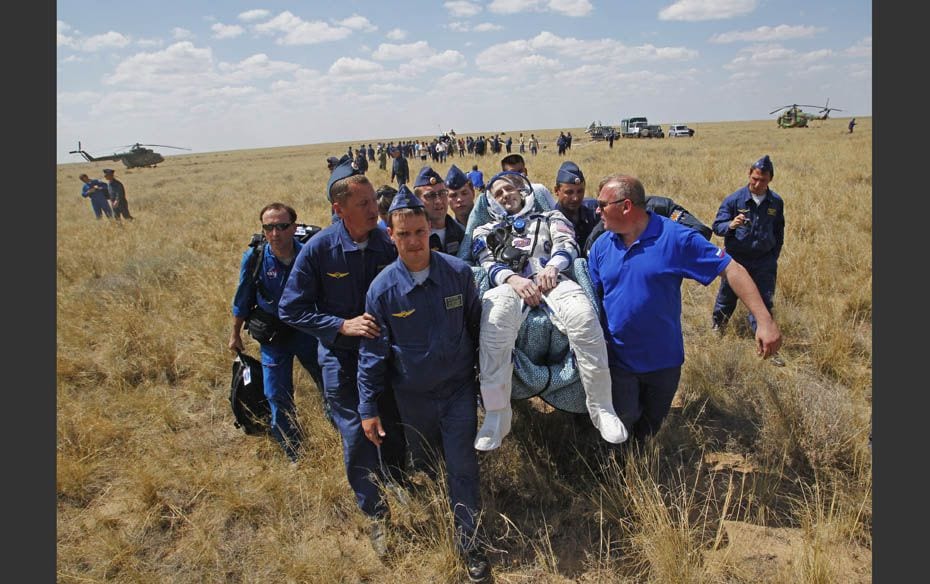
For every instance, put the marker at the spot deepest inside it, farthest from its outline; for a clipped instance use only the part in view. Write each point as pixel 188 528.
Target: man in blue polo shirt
pixel 637 268
pixel 325 296
pixel 427 308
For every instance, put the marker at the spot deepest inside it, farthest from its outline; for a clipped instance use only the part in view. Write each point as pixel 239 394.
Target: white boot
pixel 496 425
pixel 610 426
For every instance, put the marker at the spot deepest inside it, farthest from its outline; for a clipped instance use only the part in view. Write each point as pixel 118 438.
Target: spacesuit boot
pixel 496 425
pixel 606 421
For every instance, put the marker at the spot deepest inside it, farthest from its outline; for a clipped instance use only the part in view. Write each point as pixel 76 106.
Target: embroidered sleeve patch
pixel 453 301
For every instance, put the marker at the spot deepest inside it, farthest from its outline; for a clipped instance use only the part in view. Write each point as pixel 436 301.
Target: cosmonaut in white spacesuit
pixel 525 253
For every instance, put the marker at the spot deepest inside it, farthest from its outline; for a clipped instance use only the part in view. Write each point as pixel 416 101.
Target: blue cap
pixel 427 177
pixel 569 173
pixel 405 199
pixel 455 178
pixel 765 165
pixel 107 171
pixel 344 169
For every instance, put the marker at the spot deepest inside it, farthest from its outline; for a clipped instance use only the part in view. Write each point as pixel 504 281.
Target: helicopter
pixel 795 117
pixel 599 131
pixel 137 156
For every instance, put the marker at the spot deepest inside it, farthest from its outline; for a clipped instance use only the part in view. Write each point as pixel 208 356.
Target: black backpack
pixel 247 396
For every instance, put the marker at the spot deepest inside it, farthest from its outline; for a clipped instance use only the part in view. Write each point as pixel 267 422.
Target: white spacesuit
pixel 525 254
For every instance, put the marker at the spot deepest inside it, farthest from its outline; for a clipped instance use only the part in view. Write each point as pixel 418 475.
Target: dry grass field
pixel 763 474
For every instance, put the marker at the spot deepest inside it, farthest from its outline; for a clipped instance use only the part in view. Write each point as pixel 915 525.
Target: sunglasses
pixel 269 227
pixel 432 196
pixel 602 205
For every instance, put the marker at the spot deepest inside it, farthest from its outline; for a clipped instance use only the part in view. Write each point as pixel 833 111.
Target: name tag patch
pixel 773 211
pixel 453 301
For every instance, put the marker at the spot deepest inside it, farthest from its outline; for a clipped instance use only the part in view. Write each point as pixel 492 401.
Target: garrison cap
pixel 427 177
pixel 107 171
pixel 765 165
pixel 455 178
pixel 345 168
pixel 569 173
pixel 405 199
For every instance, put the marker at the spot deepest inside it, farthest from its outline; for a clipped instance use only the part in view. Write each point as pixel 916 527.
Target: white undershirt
pixel 421 276
pixel 757 198
pixel 362 245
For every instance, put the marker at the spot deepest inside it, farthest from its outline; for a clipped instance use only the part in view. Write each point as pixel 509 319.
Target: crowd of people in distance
pixel 386 314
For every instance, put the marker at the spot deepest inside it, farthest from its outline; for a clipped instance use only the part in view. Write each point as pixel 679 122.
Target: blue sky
pixel 230 75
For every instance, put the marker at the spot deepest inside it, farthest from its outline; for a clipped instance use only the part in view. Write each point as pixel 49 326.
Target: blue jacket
pixel 328 282
pixel 273 275
pixel 762 235
pixel 429 332
pixel 103 191
pixel 586 221
pixel 400 169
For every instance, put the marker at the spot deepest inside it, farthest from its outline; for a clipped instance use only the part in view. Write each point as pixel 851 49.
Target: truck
pixel 634 127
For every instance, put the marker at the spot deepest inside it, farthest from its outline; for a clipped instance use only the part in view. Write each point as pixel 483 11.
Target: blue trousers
pixel 101 206
pixel 278 376
pixel 363 468
pixel 445 426
pixel 763 273
pixel 642 400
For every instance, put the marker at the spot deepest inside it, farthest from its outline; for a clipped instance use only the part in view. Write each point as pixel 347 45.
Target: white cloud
pixel 775 55
pixel 72 59
pixel 356 22
pixel 566 7
pixel 697 10
pixel 149 43
pixel 181 34
pixel 226 31
pixel 462 8
pixel 181 64
pixel 459 26
pixel 390 88
pixel 77 97
pixel 861 49
pixel 293 30
pixel 63 39
pixel 258 66
pixel 571 7
pixel 486 27
pixel 390 52
pixel 445 60
pixel 107 40
pixel 350 67
pixel 396 34
pixel 253 15
pixel 767 34
pixel 229 91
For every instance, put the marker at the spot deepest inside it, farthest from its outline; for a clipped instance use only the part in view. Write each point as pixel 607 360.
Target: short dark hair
pixel 512 160
pixel 405 211
pixel 474 167
pixel 340 189
pixel 278 207
pixel 385 195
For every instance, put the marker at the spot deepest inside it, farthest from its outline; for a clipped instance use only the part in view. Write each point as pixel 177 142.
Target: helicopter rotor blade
pixel 165 146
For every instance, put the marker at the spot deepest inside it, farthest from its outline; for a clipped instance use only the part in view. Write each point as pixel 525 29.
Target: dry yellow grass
pixel 154 483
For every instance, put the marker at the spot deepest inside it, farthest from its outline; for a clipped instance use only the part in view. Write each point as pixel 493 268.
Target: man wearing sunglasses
pixel 445 233
pixel 325 296
pixel 276 258
pixel 636 269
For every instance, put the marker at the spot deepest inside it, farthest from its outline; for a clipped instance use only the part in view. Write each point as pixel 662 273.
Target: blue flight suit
pixel 400 170
pixel 756 245
pixel 277 357
pixel 427 351
pixel 586 221
pixel 99 198
pixel 326 287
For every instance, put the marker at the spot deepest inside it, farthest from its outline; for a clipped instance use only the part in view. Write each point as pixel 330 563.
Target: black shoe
pixel 477 566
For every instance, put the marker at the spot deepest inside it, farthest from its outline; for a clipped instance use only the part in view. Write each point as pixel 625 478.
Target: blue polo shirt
pixel 429 332
pixel 640 291
pixel 328 282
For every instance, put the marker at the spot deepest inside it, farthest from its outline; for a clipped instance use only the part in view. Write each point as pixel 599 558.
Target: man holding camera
pixel 525 254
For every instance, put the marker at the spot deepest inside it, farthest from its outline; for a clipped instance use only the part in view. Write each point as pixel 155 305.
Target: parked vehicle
pixel 633 127
pixel 679 130
pixel 654 132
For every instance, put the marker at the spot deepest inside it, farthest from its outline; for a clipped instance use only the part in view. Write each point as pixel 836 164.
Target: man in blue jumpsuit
pixel 461 194
pixel 446 234
pixel 325 296
pixel 752 224
pixel 427 307
pixel 117 195
pixel 400 170
pixel 99 195
pixel 569 192
pixel 636 269
pixel 276 257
